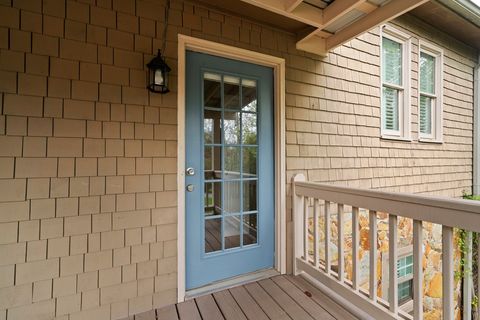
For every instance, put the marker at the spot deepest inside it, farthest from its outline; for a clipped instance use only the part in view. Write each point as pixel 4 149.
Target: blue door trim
pixel 204 268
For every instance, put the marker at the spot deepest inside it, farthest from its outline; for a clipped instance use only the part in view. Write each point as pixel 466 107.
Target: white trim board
pixel 278 65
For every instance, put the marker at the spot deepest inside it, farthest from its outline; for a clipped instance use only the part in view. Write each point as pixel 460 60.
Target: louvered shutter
pixel 391 75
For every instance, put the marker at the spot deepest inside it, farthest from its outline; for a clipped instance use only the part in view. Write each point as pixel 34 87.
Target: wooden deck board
pixel 277 298
pixel 188 311
pixel 326 302
pixel 208 308
pixel 248 305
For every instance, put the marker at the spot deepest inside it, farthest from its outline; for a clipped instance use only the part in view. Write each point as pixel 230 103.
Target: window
pixel 430 93
pixel 395 90
pixel 405 281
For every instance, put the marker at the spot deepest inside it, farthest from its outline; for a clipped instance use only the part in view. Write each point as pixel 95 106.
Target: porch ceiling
pixel 330 23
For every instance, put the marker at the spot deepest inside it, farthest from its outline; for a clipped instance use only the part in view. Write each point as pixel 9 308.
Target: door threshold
pixel 230 283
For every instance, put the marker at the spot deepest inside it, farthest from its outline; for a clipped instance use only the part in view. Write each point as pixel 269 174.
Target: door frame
pixel 278 65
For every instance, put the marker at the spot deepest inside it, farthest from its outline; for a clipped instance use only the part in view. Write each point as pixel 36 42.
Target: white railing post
pixel 297 217
pixel 315 233
pixel 373 254
pixel 306 202
pixel 341 259
pixel 447 271
pixel 327 238
pixel 355 247
pixel 392 258
pixel 417 270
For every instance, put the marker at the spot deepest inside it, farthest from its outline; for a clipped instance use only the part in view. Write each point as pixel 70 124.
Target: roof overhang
pixel 332 23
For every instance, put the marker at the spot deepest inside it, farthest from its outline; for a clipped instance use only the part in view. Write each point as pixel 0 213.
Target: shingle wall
pixel 88 156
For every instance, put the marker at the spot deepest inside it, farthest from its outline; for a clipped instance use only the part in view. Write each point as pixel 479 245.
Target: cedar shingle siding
pixel 88 156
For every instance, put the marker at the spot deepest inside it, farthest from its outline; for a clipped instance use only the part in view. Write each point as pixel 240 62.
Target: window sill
pixel 426 140
pixel 394 138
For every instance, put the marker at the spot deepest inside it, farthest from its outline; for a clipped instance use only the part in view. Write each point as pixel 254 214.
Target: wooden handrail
pixel 456 213
pixel 450 213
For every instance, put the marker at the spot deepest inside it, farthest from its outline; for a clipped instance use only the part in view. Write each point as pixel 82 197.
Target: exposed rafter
pixel 316 39
pixel 382 14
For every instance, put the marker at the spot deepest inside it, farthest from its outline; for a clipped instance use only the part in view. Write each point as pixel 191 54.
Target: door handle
pixel 190 171
pixel 190 187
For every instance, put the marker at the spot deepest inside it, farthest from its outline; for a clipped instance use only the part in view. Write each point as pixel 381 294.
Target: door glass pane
pixel 249 195
pixel 392 61
pixel 249 128
pixel 232 232
pixel 232 162
pixel 390 108
pixel 249 229
pixel 249 95
pixel 232 196
pixel 427 73
pixel 213 235
pixel 213 198
pixel 213 163
pixel 231 97
pixel 211 90
pixel 211 127
pixel 249 162
pixel 232 127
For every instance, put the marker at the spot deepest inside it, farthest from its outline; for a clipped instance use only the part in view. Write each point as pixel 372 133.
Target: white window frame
pixel 436 135
pixel 404 104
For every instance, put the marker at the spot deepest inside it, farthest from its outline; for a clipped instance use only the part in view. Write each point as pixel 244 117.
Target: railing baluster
pixel 355 247
pixel 327 237
pixel 417 270
pixel 298 215
pixel 316 237
pixel 392 258
pixel 373 254
pixel 305 228
pixel 341 260
pixel 447 271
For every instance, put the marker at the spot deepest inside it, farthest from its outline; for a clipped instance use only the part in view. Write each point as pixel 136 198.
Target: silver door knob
pixel 190 187
pixel 190 171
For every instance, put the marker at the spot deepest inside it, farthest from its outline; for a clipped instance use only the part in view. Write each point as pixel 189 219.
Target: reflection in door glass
pixel 212 126
pixel 231 122
pixel 249 195
pixel 213 235
pixel 249 229
pixel 232 162
pixel 231 196
pixel 213 163
pixel 211 90
pixel 232 92
pixel 213 198
pixel 249 95
pixel 249 128
pixel 232 232
pixel 249 162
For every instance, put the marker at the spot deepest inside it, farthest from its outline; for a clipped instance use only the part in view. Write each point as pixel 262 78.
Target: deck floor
pixel 277 298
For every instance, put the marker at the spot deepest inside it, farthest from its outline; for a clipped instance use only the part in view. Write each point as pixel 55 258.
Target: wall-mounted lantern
pixel 158 74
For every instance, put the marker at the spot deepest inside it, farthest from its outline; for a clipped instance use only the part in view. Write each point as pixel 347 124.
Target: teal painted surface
pixel 206 267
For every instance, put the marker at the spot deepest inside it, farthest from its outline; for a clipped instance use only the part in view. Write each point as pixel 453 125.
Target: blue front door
pixel 230 169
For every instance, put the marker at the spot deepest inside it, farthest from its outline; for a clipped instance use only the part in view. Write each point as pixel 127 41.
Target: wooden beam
pixel 366 7
pixel 337 9
pixel 303 12
pixel 292 4
pixel 313 44
pixel 380 15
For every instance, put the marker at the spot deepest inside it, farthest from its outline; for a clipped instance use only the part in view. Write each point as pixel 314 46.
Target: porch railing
pixel 314 201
